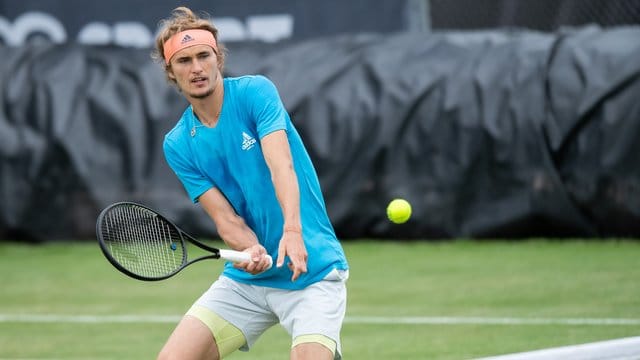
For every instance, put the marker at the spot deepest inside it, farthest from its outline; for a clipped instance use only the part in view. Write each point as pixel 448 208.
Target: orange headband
pixel 188 38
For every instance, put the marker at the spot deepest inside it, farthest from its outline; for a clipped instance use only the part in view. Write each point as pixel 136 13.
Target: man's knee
pixel 314 346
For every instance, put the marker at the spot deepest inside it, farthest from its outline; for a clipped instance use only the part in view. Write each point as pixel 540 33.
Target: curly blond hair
pixel 181 19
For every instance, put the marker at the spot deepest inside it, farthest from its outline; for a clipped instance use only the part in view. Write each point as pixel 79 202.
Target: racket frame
pixel 231 255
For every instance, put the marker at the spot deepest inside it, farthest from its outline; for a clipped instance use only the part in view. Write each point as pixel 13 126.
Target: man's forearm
pixel 236 234
pixel 232 228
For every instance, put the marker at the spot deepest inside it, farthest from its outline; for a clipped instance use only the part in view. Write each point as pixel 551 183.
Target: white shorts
pixel 318 309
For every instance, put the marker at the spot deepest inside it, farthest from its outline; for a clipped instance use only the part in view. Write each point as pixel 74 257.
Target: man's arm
pixel 277 153
pixel 233 230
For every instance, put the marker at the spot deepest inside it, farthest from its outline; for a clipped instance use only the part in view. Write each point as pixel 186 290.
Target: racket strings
pixel 142 242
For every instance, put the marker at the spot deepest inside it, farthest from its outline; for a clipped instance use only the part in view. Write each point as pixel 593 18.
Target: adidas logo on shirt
pixel 247 141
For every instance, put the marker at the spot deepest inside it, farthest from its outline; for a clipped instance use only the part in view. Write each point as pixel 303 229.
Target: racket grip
pixel 239 256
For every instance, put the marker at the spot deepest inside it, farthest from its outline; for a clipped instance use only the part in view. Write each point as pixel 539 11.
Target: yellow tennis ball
pixel 399 211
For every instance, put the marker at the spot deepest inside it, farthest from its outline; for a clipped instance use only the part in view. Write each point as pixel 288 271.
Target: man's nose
pixel 197 66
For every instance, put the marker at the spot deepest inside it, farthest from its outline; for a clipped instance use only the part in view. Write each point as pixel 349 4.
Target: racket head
pixel 140 242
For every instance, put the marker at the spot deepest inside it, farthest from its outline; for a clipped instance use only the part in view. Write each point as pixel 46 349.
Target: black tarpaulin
pixel 487 134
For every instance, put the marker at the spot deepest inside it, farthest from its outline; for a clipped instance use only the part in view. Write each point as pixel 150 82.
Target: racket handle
pixel 239 256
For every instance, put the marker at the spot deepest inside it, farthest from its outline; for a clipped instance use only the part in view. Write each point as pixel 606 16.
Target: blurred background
pixel 497 118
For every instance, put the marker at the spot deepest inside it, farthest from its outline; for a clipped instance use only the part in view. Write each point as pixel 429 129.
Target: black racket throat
pixel 215 253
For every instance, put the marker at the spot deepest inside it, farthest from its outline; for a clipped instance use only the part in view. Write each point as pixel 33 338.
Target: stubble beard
pixel 204 95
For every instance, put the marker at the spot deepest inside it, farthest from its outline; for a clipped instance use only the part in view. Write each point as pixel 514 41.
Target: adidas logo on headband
pixel 186 39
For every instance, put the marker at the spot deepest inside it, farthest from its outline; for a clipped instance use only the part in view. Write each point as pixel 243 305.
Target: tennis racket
pixel 146 246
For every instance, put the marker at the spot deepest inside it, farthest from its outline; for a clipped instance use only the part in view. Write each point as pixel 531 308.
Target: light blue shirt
pixel 229 157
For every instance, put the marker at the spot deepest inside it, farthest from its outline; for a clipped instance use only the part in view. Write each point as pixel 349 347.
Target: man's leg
pixel 191 339
pixel 316 347
pixel 203 334
pixel 313 316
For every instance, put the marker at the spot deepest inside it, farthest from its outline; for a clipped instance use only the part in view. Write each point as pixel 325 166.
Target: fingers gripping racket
pixel 146 246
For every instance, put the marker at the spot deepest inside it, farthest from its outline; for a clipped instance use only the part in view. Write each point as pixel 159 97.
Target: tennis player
pixel 239 156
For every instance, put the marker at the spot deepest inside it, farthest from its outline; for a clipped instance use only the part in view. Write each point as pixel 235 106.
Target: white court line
pixel 358 320
pixel 98 319
pixel 453 320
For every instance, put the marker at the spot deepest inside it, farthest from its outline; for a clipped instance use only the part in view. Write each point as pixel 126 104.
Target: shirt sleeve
pixel 266 107
pixel 193 181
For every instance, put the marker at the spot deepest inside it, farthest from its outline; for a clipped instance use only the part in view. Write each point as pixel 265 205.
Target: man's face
pixel 195 70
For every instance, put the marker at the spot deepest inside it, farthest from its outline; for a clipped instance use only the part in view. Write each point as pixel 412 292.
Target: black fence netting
pixel 488 134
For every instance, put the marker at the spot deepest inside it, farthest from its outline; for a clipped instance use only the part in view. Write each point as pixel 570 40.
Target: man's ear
pixel 170 74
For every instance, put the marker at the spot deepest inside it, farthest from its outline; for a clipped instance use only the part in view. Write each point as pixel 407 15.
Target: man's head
pixel 183 32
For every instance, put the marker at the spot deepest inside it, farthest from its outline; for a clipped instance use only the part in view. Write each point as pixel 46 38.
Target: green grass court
pixel 453 293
